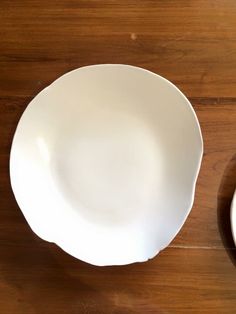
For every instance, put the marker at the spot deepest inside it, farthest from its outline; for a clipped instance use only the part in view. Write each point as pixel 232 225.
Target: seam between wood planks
pixel 197 247
pixel 193 100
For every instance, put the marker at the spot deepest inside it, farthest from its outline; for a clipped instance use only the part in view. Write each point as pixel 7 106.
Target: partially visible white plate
pixel 233 217
pixel 104 163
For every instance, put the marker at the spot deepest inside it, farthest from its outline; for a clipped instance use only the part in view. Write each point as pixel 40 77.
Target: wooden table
pixel 193 44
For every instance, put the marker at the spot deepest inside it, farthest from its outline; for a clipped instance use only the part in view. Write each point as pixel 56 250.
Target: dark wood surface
pixel 193 44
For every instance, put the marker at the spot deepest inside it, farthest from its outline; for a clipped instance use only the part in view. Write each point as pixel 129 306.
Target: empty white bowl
pixel 104 163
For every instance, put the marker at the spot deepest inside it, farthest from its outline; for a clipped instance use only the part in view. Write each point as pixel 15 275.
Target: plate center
pixel 108 168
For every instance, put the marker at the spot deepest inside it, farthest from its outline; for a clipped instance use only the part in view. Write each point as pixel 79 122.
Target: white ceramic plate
pixel 104 163
pixel 233 217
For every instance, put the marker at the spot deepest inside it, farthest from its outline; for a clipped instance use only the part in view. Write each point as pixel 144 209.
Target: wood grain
pixel 44 279
pixel 193 44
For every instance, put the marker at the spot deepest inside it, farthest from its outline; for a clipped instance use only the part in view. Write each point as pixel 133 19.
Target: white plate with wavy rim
pixel 233 217
pixel 104 163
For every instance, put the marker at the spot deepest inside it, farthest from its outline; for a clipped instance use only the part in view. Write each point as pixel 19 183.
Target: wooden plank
pixel 190 43
pixel 217 179
pixel 46 280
